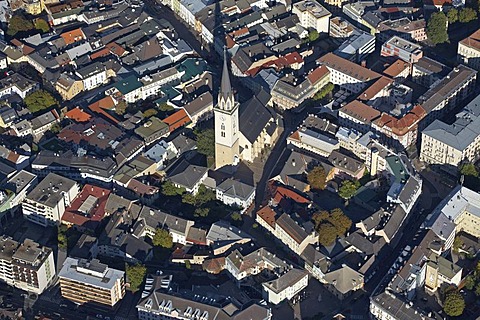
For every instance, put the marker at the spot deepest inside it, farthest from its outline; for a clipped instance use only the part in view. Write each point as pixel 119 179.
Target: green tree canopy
pixel 62 237
pixel 18 23
pixel 162 238
pixel 327 234
pixel 236 216
pixel 452 15
pixel 317 178
pixel 466 15
pixel 206 142
pixel 437 28
pixel 188 198
pixel 469 169
pixel 331 225
pixel 39 100
pixel 121 107
pixel 324 91
pixel 313 36
pixel 469 282
pixel 348 188
pixel 454 304
pixel 42 25
pixel 169 189
pixel 165 107
pixel 204 195
pixel 149 113
pixel 135 275
pixel 202 212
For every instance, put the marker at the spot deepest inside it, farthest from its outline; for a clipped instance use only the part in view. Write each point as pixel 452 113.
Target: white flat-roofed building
pixel 85 281
pixel 312 15
pixel 46 203
pixel 405 50
pixel 314 141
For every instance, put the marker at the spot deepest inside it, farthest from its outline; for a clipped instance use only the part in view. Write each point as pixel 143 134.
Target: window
pixel 223 134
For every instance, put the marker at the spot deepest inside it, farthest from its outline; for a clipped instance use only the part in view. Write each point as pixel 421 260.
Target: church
pixel 243 131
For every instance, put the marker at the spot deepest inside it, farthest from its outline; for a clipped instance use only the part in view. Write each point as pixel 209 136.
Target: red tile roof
pixel 318 74
pixel 78 115
pixel 177 120
pixel 97 198
pixel 100 106
pixel 361 111
pixel 73 36
pixel 285 193
pixel 396 68
pixel 26 50
pixel 111 48
pixel 473 40
pixel 141 188
pixel 403 125
pixel 375 88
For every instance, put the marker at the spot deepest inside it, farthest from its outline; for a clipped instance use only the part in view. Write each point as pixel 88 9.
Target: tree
pixel 206 142
pixel 317 178
pixel 39 100
pixel 466 15
pixel 169 189
pixel 202 212
pixel 469 282
pixel 340 221
pixel 188 198
pixel 313 36
pixel 121 107
pixel 135 275
pixel 437 28
pixel 188 265
pixel 452 15
pixel 42 25
pixel 348 189
pixel 62 239
pixel 327 234
pixel 204 195
pixel 149 113
pixel 236 216
pixel 165 107
pixel 55 128
pixel 469 169
pixel 324 91
pixel 162 238
pixel 18 23
pixel 457 244
pixel 453 304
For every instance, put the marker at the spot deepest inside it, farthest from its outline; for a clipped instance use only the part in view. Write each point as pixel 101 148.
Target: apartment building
pixel 17 84
pixel 313 141
pixel 285 229
pixel 241 266
pixel 27 265
pixel 357 47
pixel 428 71
pixel 450 144
pixel 286 286
pixel 411 30
pixel 358 116
pixel 405 50
pixel 20 184
pixel 340 28
pixel 348 75
pixel 312 15
pixel 441 272
pixel 448 93
pixel 92 75
pixel 83 281
pixel 46 203
pixel 469 50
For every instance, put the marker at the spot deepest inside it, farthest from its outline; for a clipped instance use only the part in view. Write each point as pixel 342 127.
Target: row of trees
pixel 437 26
pixel 331 225
pixel 322 93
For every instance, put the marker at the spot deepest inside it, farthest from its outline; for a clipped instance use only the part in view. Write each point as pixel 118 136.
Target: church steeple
pixel 226 100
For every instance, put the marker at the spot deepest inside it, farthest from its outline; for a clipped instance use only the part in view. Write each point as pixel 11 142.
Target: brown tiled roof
pixel 396 68
pixel 73 213
pixel 375 88
pixel 348 67
pixel 473 40
pixel 78 115
pixel 268 215
pixel 361 111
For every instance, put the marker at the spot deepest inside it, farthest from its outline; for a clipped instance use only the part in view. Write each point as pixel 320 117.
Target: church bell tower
pixel 226 122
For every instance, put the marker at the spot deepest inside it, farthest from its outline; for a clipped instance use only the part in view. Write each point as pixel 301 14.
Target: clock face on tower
pixel 222 117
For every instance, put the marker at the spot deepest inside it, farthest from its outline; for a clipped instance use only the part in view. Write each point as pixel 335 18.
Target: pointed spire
pixel 226 87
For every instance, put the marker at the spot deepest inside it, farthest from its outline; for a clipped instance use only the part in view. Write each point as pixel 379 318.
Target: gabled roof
pixel 177 120
pixel 78 115
pixel 254 117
